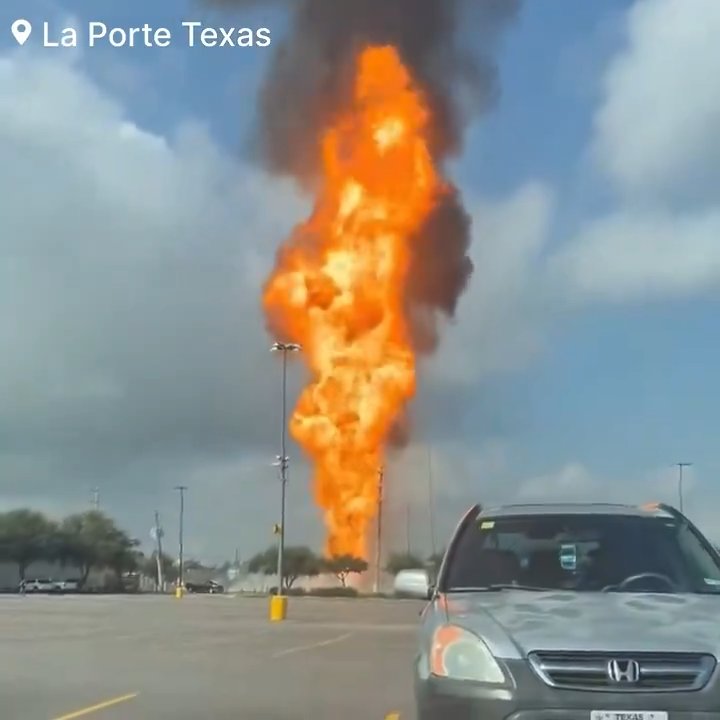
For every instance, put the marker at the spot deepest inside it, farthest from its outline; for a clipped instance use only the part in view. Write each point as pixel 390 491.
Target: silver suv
pixel 570 612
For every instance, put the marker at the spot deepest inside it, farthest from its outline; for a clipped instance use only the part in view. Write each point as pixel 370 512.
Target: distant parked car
pixel 210 587
pixel 38 585
pixel 68 586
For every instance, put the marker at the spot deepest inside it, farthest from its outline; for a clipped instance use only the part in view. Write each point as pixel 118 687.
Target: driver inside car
pixel 611 566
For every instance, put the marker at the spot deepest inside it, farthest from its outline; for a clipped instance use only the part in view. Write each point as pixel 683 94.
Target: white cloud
pixel 449 470
pixel 575 482
pixel 499 321
pixel 657 126
pixel 134 355
pixel 641 255
pixel 429 487
pixel 656 138
pixel 572 483
pixel 133 345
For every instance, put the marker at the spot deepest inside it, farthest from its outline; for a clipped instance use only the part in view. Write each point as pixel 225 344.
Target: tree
pixel 92 540
pixel 26 536
pixel 342 565
pixel 169 568
pixel 403 561
pixel 124 557
pixel 264 562
pixel 298 561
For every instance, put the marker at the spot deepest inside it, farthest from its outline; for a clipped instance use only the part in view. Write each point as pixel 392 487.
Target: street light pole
pixel 283 348
pixel 407 528
pixel 181 570
pixel 431 502
pixel 680 466
pixel 159 559
pixel 378 539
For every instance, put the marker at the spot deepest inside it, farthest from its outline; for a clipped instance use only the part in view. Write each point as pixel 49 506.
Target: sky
pixel 136 229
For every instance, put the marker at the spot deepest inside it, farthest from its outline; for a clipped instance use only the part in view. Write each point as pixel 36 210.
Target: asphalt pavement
pixel 215 657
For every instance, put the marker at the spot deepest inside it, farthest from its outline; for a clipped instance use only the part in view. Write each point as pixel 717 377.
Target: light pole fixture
pixel 181 570
pixel 278 606
pixel 378 528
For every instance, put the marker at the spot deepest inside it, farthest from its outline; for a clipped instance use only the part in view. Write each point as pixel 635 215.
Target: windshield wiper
pixel 497 587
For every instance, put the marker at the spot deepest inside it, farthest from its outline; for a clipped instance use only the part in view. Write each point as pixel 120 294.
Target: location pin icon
pixel 21 30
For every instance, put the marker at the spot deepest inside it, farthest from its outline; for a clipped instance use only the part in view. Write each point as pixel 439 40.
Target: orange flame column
pixel 338 289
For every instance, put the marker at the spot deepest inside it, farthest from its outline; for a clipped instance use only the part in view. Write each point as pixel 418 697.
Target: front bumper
pixel 529 698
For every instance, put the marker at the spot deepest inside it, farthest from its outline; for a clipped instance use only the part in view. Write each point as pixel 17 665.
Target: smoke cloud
pixel 448 46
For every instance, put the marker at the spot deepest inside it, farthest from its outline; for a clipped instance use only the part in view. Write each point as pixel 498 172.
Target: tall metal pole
pixel 681 465
pixel 181 568
pixel 283 476
pixel 431 503
pixel 284 348
pixel 96 498
pixel 378 540
pixel 407 526
pixel 158 536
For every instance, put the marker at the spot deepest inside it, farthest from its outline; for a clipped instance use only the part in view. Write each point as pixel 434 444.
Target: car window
pixel 582 553
pixel 700 558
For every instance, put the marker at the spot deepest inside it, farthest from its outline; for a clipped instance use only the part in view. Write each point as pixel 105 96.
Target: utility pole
pixel 181 573
pixel 283 348
pixel 159 557
pixel 431 502
pixel 680 466
pixel 378 540
pixel 407 527
pixel 96 498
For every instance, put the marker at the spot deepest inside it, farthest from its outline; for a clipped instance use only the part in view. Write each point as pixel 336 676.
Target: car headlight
pixel 459 655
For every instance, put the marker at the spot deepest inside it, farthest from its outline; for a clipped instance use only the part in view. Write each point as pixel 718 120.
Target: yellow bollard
pixel 178 592
pixel 278 608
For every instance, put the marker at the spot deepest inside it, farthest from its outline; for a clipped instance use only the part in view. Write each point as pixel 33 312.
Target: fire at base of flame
pixel 338 289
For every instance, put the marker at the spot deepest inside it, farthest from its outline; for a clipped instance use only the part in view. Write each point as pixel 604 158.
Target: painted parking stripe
pixel 96 708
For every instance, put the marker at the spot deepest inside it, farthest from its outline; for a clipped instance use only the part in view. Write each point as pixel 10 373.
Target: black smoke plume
pixel 448 46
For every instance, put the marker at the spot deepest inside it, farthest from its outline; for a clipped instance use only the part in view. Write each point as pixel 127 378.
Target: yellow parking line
pixel 392 716
pixel 95 708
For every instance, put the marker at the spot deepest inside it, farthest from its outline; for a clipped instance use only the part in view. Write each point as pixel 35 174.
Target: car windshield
pixel 611 553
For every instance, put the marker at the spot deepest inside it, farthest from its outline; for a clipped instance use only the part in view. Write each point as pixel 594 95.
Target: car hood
pixel 515 622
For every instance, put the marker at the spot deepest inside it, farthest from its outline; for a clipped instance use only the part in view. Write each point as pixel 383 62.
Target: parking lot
pixel 112 657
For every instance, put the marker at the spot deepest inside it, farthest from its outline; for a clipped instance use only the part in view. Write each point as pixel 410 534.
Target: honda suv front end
pixel 592 612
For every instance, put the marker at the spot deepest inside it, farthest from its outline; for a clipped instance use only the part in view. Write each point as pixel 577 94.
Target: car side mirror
pixel 413 583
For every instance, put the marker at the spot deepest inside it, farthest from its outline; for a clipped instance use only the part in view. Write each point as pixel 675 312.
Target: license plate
pixel 628 715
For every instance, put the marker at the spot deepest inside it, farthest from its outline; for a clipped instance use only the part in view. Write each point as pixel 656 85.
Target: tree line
pixel 87 541
pixel 92 540
pixel 301 561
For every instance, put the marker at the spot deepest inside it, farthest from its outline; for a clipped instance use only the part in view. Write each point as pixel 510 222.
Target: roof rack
pixel 560 502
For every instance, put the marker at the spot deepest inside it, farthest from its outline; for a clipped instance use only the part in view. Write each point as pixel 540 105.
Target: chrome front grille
pixel 656 672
